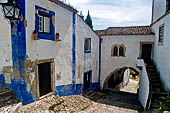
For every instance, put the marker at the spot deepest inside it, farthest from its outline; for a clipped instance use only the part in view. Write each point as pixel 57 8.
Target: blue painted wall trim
pixel 51 35
pixel 100 44
pixel 18 41
pixel 66 90
pixel 19 88
pixel 74 50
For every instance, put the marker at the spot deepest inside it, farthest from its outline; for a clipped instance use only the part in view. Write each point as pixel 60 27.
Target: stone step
pixel 155 78
pixel 157 90
pixel 152 71
pixel 6 95
pixel 151 67
pixel 156 81
pixel 155 105
pixel 156 84
pixel 154 74
pixel 159 94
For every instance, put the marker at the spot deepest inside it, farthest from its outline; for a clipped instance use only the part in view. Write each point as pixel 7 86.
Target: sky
pixel 115 13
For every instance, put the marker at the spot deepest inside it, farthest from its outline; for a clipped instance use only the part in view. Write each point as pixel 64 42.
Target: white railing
pixel 144 86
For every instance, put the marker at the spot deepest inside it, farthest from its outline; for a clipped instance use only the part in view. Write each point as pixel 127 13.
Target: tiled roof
pixel 62 4
pixel 133 30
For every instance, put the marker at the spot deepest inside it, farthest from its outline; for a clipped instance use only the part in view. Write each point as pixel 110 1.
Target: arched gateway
pixel 118 77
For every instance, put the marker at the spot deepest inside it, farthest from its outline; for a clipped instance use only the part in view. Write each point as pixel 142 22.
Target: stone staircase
pixel 157 89
pixel 7 97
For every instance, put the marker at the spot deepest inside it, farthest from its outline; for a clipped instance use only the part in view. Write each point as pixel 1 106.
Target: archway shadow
pixel 117 98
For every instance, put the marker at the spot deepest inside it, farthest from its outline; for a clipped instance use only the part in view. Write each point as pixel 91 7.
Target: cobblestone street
pixel 91 102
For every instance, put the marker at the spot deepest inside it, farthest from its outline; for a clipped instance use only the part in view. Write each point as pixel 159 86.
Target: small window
pixel 167 5
pixel 161 34
pixel 87 45
pixel 44 24
pixel 115 51
pixel 121 51
pixel 118 50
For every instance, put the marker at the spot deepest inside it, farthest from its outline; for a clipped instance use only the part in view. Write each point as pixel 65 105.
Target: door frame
pixel 152 49
pixel 37 62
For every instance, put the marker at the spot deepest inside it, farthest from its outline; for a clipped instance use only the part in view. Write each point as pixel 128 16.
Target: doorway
pixel 87 80
pixel 146 53
pixel 44 72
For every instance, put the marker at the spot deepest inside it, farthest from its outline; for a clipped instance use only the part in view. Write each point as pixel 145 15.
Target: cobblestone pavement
pixel 7 103
pixel 131 87
pixel 91 102
pixel 8 107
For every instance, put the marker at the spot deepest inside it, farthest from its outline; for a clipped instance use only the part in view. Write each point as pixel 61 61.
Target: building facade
pixel 50 50
pixel 161 28
pixel 123 46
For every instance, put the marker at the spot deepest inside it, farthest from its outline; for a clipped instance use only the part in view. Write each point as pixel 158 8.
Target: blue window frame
pixel 87 45
pixel 44 23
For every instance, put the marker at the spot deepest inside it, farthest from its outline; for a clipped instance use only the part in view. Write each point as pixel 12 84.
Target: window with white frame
pixel 44 23
pixel 161 34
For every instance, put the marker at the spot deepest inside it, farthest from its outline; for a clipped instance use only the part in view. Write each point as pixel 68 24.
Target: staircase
pixel 157 89
pixel 7 97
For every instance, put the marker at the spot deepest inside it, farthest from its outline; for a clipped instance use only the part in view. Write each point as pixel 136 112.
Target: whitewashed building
pixel 161 27
pixel 121 47
pixel 50 50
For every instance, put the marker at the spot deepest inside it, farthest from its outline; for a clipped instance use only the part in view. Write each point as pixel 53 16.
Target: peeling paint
pixel 7 69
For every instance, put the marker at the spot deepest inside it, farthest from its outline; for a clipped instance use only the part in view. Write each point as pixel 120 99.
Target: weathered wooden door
pixel 44 71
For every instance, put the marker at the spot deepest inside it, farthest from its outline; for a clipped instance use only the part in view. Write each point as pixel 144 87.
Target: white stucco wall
pixel 161 53
pixel 86 61
pixel 61 51
pixel 159 9
pixel 5 43
pixel 144 84
pixel 132 44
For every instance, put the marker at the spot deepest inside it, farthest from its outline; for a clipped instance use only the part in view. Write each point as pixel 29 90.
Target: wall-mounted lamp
pixel 10 9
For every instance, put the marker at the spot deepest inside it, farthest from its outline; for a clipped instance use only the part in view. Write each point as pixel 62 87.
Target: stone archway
pixel 115 79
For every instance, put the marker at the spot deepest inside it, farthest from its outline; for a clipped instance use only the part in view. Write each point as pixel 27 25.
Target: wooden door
pixel 44 71
pixel 146 52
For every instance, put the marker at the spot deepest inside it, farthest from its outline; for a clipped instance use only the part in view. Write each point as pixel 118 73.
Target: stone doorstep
pixel 2 89
pixel 6 96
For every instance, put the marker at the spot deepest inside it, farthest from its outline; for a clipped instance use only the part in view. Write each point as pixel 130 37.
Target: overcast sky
pixel 113 13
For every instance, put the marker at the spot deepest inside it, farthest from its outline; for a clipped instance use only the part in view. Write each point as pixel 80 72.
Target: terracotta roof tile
pixel 133 30
pixel 62 4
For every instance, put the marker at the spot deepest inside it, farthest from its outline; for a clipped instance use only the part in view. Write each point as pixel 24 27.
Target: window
pixel 161 34
pixel 44 23
pixel 121 51
pixel 115 52
pixel 167 5
pixel 118 50
pixel 88 45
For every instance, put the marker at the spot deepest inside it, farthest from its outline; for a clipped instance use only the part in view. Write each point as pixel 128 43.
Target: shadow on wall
pixel 119 78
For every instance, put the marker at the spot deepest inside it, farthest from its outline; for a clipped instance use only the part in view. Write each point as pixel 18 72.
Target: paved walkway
pixel 91 102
